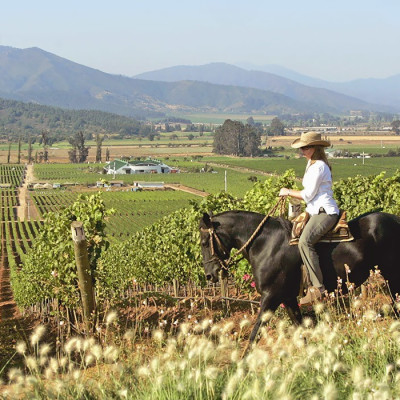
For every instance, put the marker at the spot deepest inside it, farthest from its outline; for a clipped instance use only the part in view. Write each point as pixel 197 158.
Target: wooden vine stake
pixel 224 291
pixel 84 274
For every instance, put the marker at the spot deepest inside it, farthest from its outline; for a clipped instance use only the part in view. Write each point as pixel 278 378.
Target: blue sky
pixel 332 40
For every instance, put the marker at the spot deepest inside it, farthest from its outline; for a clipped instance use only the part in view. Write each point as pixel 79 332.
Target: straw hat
pixel 310 139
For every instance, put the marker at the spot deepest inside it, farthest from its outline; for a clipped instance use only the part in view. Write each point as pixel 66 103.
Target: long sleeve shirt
pixel 317 192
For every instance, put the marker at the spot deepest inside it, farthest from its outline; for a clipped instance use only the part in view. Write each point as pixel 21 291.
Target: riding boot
pixel 313 295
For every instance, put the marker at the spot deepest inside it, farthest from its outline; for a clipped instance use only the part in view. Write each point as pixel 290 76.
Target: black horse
pixel 277 265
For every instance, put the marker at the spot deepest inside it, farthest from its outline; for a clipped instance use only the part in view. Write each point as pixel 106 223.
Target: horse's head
pixel 213 250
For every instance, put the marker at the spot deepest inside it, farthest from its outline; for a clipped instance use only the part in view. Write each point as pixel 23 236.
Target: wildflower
pixel 253 284
pixel 246 277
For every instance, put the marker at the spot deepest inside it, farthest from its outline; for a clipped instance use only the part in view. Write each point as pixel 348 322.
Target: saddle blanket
pixel 339 233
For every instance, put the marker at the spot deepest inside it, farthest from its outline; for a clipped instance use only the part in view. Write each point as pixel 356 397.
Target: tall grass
pixel 350 349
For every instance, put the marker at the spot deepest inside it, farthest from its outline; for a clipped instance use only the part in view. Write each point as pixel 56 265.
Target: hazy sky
pixel 336 40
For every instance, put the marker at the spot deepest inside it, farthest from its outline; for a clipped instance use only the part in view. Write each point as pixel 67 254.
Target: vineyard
pixel 143 247
pixel 132 210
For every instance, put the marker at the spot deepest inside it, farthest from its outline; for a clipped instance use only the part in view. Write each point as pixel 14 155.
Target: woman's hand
pixel 284 192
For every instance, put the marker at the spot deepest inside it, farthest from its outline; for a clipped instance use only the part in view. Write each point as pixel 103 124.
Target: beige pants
pixel 316 227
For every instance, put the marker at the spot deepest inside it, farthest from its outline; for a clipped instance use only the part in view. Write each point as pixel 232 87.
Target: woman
pixel 321 206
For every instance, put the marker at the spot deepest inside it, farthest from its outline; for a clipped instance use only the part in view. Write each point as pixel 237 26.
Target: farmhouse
pixel 138 167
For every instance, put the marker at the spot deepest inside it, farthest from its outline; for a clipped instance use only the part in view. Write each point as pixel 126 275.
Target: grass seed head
pixel 111 317
pixel 110 354
pixel 31 363
pixel 44 350
pixel 37 335
pixel 20 347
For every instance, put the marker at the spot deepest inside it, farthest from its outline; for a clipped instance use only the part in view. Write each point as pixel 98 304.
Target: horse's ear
pixel 207 220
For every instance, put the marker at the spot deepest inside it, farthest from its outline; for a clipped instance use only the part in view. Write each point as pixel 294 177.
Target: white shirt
pixel 317 192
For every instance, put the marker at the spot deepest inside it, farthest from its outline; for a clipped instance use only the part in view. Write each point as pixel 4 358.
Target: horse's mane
pixel 286 225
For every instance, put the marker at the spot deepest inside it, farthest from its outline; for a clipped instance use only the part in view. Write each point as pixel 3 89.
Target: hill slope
pixel 379 91
pixel 225 74
pixel 34 75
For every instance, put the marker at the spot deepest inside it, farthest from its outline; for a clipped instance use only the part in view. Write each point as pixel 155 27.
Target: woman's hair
pixel 319 154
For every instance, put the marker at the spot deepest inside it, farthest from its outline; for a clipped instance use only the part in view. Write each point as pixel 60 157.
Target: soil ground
pixel 61 155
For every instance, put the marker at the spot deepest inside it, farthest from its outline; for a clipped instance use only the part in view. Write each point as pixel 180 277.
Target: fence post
pixel 84 275
pixel 224 290
pixel 175 285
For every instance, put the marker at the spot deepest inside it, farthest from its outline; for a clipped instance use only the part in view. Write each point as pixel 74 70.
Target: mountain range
pixel 34 75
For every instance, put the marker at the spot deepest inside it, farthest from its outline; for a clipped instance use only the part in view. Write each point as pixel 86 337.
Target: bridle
pixel 226 260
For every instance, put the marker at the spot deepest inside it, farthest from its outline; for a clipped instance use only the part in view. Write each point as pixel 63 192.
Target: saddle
pixel 339 233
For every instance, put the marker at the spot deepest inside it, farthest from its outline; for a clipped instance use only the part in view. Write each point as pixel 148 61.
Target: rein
pixel 225 263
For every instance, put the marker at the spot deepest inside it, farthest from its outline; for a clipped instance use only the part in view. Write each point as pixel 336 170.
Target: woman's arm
pixel 291 192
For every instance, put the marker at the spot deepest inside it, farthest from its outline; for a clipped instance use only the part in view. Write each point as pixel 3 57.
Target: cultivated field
pixel 175 338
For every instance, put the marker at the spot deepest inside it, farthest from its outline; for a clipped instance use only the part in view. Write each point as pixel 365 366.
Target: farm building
pixel 138 167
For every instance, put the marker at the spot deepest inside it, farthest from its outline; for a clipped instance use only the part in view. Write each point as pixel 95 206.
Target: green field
pixel 133 210
pixel 237 182
pixel 341 168
pixel 220 118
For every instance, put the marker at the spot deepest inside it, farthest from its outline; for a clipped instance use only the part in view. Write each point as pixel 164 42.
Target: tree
pixel 250 121
pixel 19 151
pixel 276 127
pixel 237 139
pixel 99 142
pixel 29 149
pixel 107 154
pixel 396 126
pixel 45 143
pixel 79 152
pixel 9 153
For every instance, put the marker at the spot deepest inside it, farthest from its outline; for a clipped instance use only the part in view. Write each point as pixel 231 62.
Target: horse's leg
pixel 266 303
pixel 293 310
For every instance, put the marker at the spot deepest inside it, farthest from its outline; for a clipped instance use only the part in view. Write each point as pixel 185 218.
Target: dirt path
pixel 177 186
pixel 26 208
